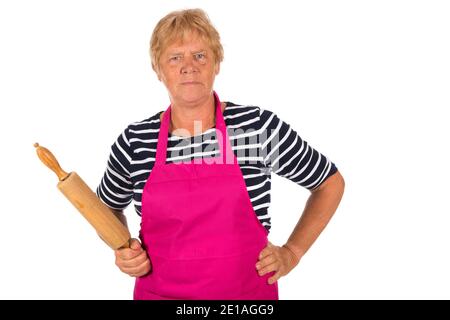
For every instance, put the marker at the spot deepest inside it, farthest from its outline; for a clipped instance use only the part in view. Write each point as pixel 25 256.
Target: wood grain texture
pixel 107 225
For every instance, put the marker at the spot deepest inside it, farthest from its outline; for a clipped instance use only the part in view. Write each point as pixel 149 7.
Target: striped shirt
pixel 261 141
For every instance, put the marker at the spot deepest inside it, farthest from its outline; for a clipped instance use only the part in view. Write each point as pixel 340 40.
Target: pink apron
pixel 199 228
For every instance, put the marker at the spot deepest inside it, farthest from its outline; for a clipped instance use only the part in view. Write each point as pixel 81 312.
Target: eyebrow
pixel 181 53
pixel 200 51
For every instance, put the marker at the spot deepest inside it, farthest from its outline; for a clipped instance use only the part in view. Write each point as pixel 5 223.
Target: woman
pixel 204 213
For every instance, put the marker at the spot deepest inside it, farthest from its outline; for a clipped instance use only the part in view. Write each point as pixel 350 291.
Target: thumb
pixel 135 244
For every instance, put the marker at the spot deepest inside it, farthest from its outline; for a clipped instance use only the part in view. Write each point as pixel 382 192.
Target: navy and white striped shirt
pixel 261 141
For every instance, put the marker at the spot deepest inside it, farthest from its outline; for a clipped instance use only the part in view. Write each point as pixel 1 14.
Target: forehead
pixel 188 42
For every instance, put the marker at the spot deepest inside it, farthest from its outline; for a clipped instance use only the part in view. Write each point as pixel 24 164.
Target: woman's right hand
pixel 133 260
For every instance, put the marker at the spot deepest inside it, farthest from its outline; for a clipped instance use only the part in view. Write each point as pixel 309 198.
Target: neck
pixel 189 119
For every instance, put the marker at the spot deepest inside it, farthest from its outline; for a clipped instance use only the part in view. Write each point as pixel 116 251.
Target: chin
pixel 192 95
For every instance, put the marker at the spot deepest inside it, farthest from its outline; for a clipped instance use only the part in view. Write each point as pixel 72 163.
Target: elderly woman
pixel 199 174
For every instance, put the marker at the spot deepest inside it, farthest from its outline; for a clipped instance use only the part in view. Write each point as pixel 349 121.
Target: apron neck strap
pixel 227 157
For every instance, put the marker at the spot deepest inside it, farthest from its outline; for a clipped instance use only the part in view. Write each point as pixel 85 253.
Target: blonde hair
pixel 175 25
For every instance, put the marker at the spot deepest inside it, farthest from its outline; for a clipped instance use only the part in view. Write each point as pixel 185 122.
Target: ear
pixel 157 71
pixel 158 74
pixel 217 68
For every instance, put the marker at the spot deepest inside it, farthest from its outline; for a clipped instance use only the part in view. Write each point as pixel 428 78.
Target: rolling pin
pixel 107 225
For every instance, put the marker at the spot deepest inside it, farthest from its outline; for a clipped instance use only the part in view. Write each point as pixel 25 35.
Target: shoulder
pixel 145 126
pixel 258 117
pixel 139 131
pixel 151 122
pixel 232 108
pixel 241 116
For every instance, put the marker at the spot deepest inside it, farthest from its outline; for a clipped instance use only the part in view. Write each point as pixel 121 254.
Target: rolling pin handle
pixel 50 161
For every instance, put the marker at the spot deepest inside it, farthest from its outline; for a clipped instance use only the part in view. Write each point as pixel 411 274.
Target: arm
pixel 115 190
pixel 119 214
pixel 134 260
pixel 320 207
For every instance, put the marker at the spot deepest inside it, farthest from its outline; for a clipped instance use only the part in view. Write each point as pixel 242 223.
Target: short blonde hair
pixel 175 25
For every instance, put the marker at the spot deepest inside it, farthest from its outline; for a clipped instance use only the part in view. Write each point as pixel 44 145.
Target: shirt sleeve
pixel 288 155
pixel 116 188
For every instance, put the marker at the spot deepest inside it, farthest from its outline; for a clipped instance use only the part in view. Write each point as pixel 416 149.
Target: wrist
pixel 295 252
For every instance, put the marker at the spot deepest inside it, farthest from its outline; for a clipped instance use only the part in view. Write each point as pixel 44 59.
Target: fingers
pixel 268 260
pixel 130 253
pixel 127 254
pixel 134 260
pixel 136 267
pixel 135 244
pixel 268 250
pixel 275 259
pixel 275 277
pixel 269 268
pixel 129 263
pixel 139 270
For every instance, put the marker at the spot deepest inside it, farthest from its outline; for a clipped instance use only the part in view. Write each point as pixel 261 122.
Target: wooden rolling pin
pixel 107 225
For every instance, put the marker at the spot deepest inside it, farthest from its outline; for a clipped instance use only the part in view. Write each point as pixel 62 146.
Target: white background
pixel 364 82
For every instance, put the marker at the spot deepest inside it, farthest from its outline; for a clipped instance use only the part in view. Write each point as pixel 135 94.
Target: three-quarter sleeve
pixel 116 188
pixel 289 156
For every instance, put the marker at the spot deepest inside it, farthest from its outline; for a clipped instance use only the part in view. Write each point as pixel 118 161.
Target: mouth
pixel 189 83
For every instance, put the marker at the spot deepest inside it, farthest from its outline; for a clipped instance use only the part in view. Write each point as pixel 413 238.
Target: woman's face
pixel 187 69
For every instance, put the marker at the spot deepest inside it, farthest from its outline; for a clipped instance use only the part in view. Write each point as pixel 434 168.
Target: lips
pixel 187 83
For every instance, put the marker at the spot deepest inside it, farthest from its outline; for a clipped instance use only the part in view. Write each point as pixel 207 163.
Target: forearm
pixel 119 214
pixel 319 209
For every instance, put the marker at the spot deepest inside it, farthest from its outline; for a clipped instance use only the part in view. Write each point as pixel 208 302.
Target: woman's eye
pixel 175 58
pixel 200 56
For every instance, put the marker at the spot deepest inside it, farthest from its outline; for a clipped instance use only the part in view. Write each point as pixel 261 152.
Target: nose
pixel 188 66
pixel 188 70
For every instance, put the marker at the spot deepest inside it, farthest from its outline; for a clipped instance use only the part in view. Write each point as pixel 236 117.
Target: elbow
pixel 339 184
pixel 340 181
pixel 335 184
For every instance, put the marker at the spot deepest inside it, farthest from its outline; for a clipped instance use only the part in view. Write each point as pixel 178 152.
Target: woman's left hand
pixel 278 259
